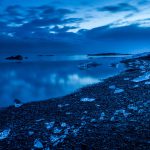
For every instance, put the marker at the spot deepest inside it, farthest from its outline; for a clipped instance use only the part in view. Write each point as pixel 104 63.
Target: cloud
pixel 121 7
pixel 127 39
pixel 49 28
pixel 33 21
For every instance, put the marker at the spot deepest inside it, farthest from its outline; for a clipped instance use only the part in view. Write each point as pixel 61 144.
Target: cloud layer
pixel 60 29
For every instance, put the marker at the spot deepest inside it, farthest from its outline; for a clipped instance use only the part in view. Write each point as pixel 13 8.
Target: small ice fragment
pixel 17 103
pixel 140 111
pixel 83 123
pixel 112 87
pixel 60 105
pixel 4 134
pixel 87 99
pixel 39 120
pixel 68 113
pixel 118 91
pixel 83 117
pixel 131 106
pixel 135 86
pixel 66 131
pixel 93 120
pixel 126 79
pixel 60 140
pixel 75 132
pixel 112 118
pixel 122 111
pixel 102 116
pixel 30 133
pixel 97 105
pixel 54 138
pixel 142 78
pixel 49 125
pixel 148 82
pixel 38 144
pixel 57 130
pixel 66 104
pixel 85 112
pixel 142 67
pixel 63 124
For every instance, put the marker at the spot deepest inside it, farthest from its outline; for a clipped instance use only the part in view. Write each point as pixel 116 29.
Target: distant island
pixel 17 57
pixel 106 54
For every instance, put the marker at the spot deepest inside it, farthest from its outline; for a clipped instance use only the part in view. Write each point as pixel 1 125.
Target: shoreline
pixel 113 114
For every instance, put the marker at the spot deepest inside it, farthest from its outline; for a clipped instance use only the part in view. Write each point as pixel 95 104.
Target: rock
pixel 17 57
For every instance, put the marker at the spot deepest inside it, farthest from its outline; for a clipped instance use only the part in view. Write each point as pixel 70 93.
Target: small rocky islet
pixel 111 115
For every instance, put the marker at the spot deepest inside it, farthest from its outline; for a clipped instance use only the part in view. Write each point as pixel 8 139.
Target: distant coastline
pixel 108 54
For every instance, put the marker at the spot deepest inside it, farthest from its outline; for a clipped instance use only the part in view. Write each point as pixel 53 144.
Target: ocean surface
pixel 41 77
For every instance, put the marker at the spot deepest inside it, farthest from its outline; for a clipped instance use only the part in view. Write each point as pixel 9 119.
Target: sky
pixel 74 26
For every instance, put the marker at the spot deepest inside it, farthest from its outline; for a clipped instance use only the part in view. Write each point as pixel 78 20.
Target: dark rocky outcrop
pixel 17 57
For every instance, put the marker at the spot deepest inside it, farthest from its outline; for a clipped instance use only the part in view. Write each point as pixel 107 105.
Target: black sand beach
pixel 112 115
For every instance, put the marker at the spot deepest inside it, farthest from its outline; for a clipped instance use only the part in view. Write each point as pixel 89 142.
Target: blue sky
pixel 75 27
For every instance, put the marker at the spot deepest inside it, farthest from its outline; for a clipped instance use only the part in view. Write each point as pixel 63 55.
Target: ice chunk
pixel 118 90
pixel 39 120
pixel 54 138
pixel 112 86
pixel 38 144
pixel 93 120
pixel 60 140
pixel 63 124
pixel 18 105
pixel 87 99
pixel 142 67
pixel 122 111
pixel 142 78
pixel 4 134
pixel 112 118
pixel 135 86
pixel 66 131
pixel 57 130
pixel 60 105
pixel 84 123
pixel 148 82
pixel 30 133
pixel 131 106
pixel 102 116
pixel 49 125
pixel 75 132
pixel 68 113
pixel 126 79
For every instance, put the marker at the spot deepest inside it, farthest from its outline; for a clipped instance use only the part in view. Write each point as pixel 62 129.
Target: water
pixel 44 77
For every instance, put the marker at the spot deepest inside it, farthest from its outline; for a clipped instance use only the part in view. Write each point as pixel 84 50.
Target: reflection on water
pixel 39 80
